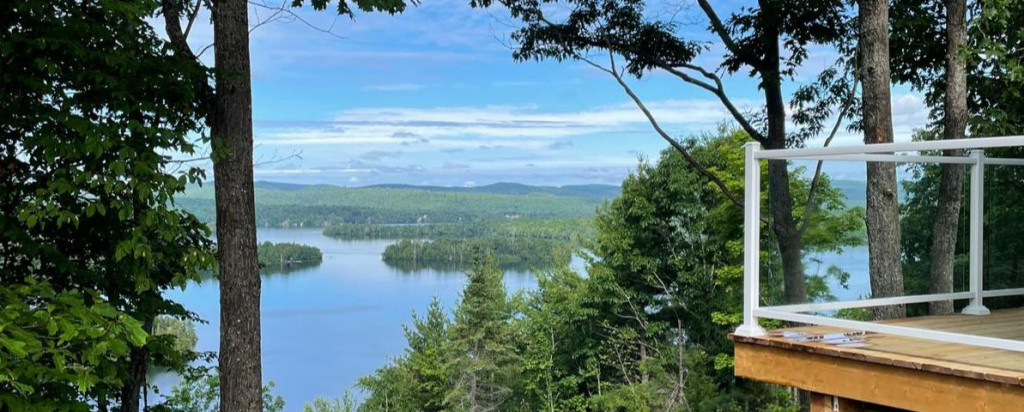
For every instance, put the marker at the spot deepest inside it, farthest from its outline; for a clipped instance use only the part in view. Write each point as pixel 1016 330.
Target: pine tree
pixel 427 356
pixel 481 343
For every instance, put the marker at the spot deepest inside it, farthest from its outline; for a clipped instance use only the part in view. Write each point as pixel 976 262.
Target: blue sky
pixel 434 97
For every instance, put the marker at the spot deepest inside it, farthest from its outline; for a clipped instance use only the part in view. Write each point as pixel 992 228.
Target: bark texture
pixel 138 366
pixel 883 213
pixel 231 131
pixel 138 360
pixel 944 233
pixel 780 200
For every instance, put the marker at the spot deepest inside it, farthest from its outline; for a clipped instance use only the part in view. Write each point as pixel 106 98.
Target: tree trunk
pixel 231 131
pixel 138 364
pixel 945 231
pixel 883 211
pixel 780 200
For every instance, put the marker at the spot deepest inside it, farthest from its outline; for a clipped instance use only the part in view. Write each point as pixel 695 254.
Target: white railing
pixel 886 152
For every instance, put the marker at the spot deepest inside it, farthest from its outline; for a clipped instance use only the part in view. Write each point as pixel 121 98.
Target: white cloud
pixel 909 113
pixel 524 127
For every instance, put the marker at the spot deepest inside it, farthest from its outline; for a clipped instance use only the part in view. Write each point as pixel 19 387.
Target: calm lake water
pixel 326 326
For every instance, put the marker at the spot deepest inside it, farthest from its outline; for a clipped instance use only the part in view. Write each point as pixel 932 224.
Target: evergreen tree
pixel 482 350
pixel 426 357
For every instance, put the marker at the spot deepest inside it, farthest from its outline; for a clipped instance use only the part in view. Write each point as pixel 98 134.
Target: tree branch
pixel 192 17
pixel 285 9
pixel 718 90
pixel 809 205
pixel 723 33
pixel 172 25
pixel 179 44
pixel 661 132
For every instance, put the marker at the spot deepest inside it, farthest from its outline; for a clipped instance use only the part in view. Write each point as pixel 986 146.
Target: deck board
pixel 961 360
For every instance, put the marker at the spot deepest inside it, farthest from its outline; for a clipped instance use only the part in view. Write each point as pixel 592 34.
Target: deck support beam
pixel 873 383
pixel 821 402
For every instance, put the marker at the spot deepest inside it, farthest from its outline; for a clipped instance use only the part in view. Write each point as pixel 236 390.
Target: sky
pixel 434 97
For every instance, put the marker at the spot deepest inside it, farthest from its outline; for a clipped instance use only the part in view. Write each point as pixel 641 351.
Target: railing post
pixel 977 228
pixel 751 242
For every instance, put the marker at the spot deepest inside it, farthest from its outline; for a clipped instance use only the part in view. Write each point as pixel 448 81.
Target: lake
pixel 326 326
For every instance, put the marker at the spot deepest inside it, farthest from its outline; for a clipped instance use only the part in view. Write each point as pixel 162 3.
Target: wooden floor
pixel 961 360
pixel 902 372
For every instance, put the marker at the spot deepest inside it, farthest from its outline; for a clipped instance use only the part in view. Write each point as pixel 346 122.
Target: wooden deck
pixel 895 371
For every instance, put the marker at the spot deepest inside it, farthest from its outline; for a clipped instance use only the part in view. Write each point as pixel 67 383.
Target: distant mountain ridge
pixel 589 191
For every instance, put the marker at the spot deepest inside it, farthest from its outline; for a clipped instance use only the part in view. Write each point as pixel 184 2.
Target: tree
pixel 770 41
pixel 954 126
pixel 936 65
pixel 91 237
pixel 928 60
pixel 199 391
pixel 483 358
pixel 646 328
pixel 883 214
pixel 667 269
pixel 427 357
pixel 959 65
pixel 420 380
pixel 319 404
pixel 228 107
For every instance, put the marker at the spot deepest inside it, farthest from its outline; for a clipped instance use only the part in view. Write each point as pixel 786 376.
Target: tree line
pixel 567 229
pixel 285 253
pixel 519 254
pixel 327 206
pixel 92 239
pixel 644 329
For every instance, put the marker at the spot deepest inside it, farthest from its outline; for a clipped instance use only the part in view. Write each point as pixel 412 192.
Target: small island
pixel 461 254
pixel 285 256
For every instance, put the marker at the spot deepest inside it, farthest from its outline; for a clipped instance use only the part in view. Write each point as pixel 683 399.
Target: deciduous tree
pixel 770 41
pixel 883 210
pixel 228 104
pixel 89 235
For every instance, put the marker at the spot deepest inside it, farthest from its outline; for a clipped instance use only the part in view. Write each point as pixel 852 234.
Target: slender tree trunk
pixel 946 227
pixel 240 366
pixel 883 211
pixel 779 197
pixel 138 363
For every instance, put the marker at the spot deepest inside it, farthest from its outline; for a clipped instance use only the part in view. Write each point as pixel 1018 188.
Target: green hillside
pixel 593 191
pixel 286 205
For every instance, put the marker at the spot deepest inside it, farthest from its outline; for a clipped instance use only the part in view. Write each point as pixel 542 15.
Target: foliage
pixel 182 331
pixel 483 357
pixel 589 191
pixel 322 206
pixel 1004 232
pixel 90 237
pixel 645 329
pixel 994 55
pixel 421 379
pixel 565 229
pixel 281 254
pixel 200 392
pixel 460 254
pixel 57 346
pixel 345 404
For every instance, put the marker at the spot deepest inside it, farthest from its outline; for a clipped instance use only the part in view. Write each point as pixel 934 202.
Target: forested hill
pixel 290 205
pixel 503 188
